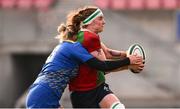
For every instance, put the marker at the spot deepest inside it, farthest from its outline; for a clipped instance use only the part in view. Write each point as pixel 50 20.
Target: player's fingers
pixel 140 68
pixel 138 63
pixel 141 65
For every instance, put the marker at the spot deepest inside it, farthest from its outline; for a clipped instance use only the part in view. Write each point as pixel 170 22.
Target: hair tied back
pixel 61 28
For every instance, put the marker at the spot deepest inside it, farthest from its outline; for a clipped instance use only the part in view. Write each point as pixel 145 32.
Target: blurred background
pixel 28 28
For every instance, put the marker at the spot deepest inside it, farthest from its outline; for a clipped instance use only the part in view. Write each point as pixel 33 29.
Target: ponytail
pixel 62 30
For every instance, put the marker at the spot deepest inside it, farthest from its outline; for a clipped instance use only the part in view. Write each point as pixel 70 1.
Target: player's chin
pixel 101 30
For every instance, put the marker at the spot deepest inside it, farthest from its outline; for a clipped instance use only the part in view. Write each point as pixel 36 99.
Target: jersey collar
pixel 68 41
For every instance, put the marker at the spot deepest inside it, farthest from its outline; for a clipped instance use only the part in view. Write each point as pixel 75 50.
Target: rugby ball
pixel 136 49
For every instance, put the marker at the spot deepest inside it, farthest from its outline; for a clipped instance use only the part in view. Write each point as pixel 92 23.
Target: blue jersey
pixel 62 65
pixel 65 56
pixel 59 68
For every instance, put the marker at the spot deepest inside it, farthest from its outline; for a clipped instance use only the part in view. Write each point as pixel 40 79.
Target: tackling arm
pixel 114 54
pixel 99 54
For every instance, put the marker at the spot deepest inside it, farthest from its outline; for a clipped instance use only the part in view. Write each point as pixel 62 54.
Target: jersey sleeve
pixel 80 53
pixel 91 42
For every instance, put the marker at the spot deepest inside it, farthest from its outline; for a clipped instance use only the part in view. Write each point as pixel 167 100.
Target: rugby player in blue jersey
pixel 61 66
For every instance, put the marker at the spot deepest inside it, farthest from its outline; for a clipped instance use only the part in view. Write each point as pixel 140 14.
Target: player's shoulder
pixel 87 38
pixel 76 44
pixel 68 45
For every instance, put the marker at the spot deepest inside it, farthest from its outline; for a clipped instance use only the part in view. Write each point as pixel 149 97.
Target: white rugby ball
pixel 136 49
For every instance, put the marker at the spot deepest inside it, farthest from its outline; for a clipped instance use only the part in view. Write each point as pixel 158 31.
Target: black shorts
pixel 89 99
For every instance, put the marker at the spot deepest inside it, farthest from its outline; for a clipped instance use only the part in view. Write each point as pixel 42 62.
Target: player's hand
pixel 135 59
pixel 136 68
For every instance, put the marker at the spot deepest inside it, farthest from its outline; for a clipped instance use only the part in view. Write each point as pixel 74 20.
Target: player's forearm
pixel 116 54
pixel 113 54
pixel 107 65
pixel 118 69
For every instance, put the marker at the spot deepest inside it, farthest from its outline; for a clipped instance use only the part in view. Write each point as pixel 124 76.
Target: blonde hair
pixel 73 22
pixel 62 32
